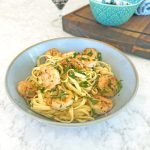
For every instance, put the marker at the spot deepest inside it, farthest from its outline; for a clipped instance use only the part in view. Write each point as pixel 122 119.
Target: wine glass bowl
pixel 60 3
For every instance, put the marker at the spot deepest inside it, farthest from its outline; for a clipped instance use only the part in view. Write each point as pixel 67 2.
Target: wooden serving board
pixel 132 37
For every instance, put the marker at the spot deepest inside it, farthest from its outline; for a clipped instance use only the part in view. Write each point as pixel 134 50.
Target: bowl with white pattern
pixel 113 15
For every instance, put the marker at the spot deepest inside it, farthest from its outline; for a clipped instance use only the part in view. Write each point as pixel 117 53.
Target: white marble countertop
pixel 26 22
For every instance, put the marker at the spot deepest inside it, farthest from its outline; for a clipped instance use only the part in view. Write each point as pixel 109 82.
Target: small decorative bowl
pixel 113 15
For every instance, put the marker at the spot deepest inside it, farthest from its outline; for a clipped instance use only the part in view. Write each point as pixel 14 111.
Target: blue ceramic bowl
pixel 113 15
pixel 22 65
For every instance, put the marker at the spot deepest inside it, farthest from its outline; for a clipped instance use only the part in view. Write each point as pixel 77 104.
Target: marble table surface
pixel 26 22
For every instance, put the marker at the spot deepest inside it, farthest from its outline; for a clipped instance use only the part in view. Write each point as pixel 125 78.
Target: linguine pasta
pixel 70 87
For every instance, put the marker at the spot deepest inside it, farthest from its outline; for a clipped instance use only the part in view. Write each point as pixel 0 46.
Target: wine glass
pixel 60 5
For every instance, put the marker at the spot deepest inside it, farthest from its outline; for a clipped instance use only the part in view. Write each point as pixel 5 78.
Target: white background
pixel 26 22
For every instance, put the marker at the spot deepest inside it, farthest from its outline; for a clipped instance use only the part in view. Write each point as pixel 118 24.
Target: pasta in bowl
pixel 71 82
pixel 70 87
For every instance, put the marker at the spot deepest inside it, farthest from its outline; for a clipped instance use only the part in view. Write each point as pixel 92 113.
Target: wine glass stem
pixel 60 14
pixel 58 21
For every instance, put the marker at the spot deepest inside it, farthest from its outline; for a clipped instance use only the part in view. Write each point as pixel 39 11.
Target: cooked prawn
pixel 64 62
pixel 26 89
pixel 68 54
pixel 104 105
pixel 49 77
pixel 76 63
pixel 89 64
pixel 108 85
pixel 72 62
pixel 91 52
pixel 87 61
pixel 53 52
pixel 61 103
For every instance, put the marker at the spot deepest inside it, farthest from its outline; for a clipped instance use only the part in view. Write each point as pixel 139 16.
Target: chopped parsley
pixel 57 67
pixel 93 112
pixel 66 69
pixel 102 65
pixel 75 54
pixel 53 90
pixel 42 90
pixel 61 95
pixel 82 58
pixel 72 75
pixel 84 84
pixel 119 85
pixel 99 56
pixel 73 67
pixel 67 60
pixel 105 91
pixel 74 98
pixel 90 53
pixel 94 69
pixel 93 100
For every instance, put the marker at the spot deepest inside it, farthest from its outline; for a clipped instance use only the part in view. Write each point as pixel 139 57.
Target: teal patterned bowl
pixel 113 15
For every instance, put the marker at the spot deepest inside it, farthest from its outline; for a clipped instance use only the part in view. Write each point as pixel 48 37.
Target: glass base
pixel 57 22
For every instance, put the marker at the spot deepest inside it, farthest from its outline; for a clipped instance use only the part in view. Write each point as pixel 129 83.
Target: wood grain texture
pixel 132 37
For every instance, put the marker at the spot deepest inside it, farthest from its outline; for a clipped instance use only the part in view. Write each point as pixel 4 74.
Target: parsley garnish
pixel 99 56
pixel 75 54
pixel 90 53
pixel 93 100
pixel 84 84
pixel 119 85
pixel 42 90
pixel 105 91
pixel 73 98
pixel 66 69
pixel 53 90
pixel 94 69
pixel 73 67
pixel 102 65
pixel 72 75
pixel 67 60
pixel 93 112
pixel 82 58
pixel 61 95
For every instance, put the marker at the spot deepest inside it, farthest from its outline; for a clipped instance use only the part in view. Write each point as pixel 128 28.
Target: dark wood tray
pixel 132 37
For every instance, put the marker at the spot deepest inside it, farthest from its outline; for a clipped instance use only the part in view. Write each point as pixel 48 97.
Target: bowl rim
pixel 131 4
pixel 54 123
